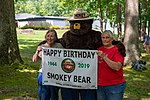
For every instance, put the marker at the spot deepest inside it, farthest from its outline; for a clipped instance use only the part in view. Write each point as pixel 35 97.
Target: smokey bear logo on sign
pixel 68 65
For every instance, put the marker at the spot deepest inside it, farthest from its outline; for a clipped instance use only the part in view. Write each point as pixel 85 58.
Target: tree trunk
pixel 100 15
pixel 148 16
pixel 143 17
pixel 119 20
pixel 141 37
pixel 9 50
pixel 149 26
pixel 131 40
pixel 113 27
pixel 106 15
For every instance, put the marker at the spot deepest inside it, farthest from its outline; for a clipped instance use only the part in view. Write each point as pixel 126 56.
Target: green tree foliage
pixel 66 7
pixel 39 7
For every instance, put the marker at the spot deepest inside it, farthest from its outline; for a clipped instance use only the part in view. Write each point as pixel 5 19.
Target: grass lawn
pixel 19 81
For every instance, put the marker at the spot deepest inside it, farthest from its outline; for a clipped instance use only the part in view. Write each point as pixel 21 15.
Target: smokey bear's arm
pixel 64 39
pixel 120 47
pixel 98 40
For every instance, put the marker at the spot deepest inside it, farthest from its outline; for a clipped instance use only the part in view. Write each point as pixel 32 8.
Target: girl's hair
pixel 108 32
pixel 56 37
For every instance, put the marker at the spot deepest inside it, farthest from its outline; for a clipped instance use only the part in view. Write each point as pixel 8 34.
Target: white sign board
pixel 69 68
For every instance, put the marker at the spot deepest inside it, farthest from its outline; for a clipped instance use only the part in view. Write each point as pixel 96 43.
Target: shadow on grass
pixel 138 87
pixel 18 80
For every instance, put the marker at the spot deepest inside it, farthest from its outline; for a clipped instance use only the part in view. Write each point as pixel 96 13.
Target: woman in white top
pixel 45 92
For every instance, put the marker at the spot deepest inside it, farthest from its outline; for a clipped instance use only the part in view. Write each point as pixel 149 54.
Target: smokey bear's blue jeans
pixel 54 92
pixel 75 94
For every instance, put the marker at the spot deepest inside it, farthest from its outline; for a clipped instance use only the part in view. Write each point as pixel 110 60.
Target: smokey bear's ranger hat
pixel 80 14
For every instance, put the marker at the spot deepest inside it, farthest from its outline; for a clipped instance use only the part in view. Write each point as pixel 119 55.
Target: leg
pixel 69 94
pixel 39 85
pixel 88 94
pixel 39 91
pixel 54 92
pixel 43 90
pixel 147 49
pixel 115 92
pixel 101 95
pixel 46 92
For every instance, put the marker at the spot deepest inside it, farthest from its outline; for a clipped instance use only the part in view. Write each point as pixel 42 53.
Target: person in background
pixel 120 38
pixel 147 43
pixel 47 92
pixel 111 82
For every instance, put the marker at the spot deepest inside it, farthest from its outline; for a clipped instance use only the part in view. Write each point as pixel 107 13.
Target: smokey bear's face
pixel 80 27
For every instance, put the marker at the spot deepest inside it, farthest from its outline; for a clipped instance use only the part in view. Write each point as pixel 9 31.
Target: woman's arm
pixel 37 54
pixel 112 64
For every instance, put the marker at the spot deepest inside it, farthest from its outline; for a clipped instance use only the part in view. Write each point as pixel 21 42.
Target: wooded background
pixel 133 14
